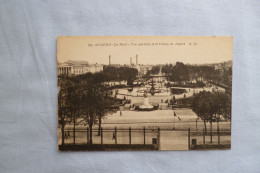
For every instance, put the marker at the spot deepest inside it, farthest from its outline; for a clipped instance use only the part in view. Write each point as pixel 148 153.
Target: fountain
pixel 146 105
pixel 152 91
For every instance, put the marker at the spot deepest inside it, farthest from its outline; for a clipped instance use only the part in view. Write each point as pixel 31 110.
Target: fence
pixel 112 136
pixel 147 136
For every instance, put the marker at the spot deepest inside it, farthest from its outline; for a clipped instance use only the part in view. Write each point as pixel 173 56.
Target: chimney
pixel 131 61
pixel 109 59
pixel 136 59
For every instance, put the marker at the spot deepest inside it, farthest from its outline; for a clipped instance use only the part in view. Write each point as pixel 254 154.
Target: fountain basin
pixel 142 107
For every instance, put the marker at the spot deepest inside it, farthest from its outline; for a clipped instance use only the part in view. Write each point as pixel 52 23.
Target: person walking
pixel 114 136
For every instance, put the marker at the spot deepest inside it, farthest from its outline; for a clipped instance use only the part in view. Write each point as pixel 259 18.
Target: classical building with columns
pixel 77 67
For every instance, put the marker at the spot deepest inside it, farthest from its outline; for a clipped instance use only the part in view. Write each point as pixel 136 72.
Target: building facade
pixel 78 67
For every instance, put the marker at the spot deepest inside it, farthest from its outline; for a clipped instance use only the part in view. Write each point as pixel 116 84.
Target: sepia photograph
pixel 129 86
pixel 129 93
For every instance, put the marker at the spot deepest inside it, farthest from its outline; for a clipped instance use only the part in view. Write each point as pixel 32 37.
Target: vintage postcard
pixel 144 92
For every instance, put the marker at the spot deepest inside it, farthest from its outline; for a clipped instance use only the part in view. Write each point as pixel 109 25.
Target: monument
pixel 152 91
pixel 146 105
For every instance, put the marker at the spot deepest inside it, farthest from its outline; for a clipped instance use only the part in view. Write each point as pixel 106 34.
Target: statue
pixel 146 105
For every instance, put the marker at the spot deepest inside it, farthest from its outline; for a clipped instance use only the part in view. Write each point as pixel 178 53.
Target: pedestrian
pixel 120 113
pixel 114 136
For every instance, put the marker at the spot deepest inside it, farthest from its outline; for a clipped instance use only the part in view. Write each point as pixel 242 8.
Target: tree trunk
pixel 90 134
pixel 205 126
pixel 210 131
pixel 99 125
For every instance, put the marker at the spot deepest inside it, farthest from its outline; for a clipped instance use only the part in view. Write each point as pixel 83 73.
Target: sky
pixel 150 49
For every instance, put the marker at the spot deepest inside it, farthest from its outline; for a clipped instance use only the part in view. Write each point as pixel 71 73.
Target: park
pixel 177 107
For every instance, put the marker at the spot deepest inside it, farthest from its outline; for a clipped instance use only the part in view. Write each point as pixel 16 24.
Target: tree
pixel 89 101
pixel 96 100
pixel 104 108
pixel 61 110
pixel 180 73
pixel 73 102
pixel 63 104
pixel 210 106
pixel 203 106
pixel 155 69
pixel 129 74
pixel 120 73
pixel 227 77
pixel 106 101
pixel 223 105
pixel 167 70
pixel 207 72
pixel 148 73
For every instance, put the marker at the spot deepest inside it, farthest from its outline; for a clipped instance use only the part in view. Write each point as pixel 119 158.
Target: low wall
pixel 106 147
pixel 211 147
